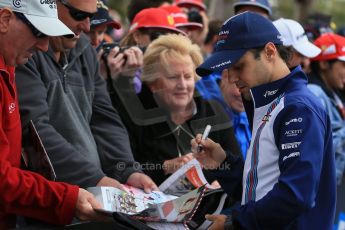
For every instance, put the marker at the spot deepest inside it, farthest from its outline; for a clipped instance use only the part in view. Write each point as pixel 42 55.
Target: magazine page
pixel 187 178
pixel 166 226
pixel 178 210
pixel 156 206
pixel 131 202
pixel 36 158
pixel 155 197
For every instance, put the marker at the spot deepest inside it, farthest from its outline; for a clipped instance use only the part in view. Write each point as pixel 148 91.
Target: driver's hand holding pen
pixel 209 153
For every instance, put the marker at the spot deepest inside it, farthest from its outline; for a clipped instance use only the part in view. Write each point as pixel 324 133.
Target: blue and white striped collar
pixel 266 93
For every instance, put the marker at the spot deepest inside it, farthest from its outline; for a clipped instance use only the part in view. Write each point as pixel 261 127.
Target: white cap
pixel 41 13
pixel 294 35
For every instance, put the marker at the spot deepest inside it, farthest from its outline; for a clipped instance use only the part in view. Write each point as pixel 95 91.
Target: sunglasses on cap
pixel 76 14
pixel 35 32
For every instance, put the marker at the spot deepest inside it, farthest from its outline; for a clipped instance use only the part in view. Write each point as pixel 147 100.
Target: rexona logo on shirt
pixel 270 93
pixel 294 120
pixel 292 145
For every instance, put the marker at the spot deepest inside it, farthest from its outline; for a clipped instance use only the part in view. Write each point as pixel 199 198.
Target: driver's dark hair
pixel 285 52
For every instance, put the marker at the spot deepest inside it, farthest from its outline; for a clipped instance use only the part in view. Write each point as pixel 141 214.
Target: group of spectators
pixel 131 111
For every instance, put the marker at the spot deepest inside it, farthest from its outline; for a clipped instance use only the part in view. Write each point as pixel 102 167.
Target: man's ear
pixel 270 51
pixel 5 18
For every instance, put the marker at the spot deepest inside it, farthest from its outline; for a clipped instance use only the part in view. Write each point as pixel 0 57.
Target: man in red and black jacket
pixel 25 193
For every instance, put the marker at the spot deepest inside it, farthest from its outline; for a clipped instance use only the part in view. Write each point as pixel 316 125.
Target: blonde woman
pixel 169 82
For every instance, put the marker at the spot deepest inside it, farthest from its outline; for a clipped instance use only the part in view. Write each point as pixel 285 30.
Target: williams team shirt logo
pixel 266 118
pixel 11 107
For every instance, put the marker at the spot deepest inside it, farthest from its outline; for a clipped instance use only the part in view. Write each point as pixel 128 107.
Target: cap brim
pixel 163 27
pixel 114 24
pixel 189 25
pixel 219 61
pixel 342 58
pixel 50 26
pixel 188 4
pixel 307 49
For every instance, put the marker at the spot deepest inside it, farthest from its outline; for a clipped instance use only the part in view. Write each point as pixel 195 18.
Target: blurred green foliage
pixel 336 8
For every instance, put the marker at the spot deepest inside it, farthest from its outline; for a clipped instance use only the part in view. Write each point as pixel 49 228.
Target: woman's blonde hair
pixel 165 48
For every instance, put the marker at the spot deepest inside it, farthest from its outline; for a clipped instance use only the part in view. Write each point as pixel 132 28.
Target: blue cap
pixel 264 4
pixel 238 34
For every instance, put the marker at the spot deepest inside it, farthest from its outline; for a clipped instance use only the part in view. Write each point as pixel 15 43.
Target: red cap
pixel 191 3
pixel 154 18
pixel 332 47
pixel 181 18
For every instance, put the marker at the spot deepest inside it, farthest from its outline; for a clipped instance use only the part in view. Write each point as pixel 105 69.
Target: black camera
pixel 194 16
pixel 107 47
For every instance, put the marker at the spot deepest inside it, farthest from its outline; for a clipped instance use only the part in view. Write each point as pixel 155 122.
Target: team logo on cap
pixel 281 38
pixel 170 20
pixel 329 49
pixel 17 3
pixel 222 36
pixel 221 64
pixel 98 21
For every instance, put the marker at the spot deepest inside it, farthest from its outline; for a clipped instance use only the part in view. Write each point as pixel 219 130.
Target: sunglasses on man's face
pixel 35 32
pixel 76 14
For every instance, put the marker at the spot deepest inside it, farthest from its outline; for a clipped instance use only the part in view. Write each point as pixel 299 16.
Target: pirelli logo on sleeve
pixel 292 145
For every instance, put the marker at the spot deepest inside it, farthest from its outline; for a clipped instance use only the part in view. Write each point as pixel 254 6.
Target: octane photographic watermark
pixel 156 166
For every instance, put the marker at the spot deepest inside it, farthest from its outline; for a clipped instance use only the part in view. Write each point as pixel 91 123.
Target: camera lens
pixel 107 47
